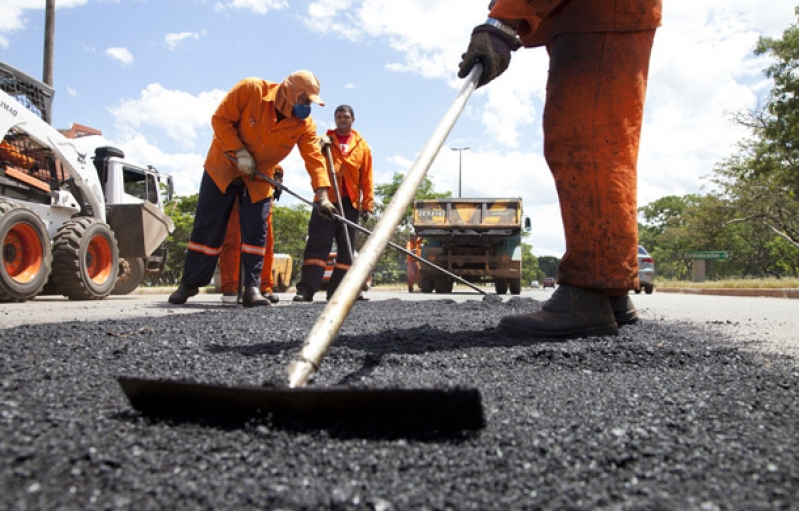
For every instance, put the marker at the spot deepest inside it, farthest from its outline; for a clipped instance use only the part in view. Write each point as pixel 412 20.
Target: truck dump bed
pixel 479 221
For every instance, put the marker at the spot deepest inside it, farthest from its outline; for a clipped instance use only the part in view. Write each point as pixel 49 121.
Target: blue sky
pixel 149 74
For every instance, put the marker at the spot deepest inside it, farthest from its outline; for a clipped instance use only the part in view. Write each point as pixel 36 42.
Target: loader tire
pixel 85 259
pixel 130 275
pixel 27 256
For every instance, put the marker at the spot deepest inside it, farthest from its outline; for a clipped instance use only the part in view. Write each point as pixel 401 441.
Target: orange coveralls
pixel 412 265
pixel 231 252
pixel 599 61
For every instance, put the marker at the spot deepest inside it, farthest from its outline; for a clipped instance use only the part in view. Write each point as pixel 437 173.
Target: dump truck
pixel 70 217
pixel 478 240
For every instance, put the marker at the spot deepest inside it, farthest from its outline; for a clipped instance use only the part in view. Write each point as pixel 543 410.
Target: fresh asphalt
pixel 696 407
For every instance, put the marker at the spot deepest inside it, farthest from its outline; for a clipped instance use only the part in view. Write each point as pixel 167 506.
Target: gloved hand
pixel 278 189
pixel 246 163
pixel 491 47
pixel 326 208
pixel 365 215
pixel 324 141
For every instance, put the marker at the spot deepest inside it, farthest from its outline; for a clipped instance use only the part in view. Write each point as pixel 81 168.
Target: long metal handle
pixel 366 231
pixel 329 156
pixel 329 323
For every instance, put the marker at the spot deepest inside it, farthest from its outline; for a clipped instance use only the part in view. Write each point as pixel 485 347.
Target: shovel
pixel 354 409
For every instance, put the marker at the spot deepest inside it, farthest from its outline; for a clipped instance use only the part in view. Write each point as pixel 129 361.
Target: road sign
pixel 707 255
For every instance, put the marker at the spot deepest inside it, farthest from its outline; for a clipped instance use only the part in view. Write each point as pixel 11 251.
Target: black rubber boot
pixel 570 312
pixel 623 310
pixel 302 296
pixel 252 297
pixel 182 293
pixel 273 298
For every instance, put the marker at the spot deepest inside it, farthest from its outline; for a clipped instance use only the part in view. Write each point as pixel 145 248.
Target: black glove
pixel 327 209
pixel 491 47
pixel 365 215
pixel 278 189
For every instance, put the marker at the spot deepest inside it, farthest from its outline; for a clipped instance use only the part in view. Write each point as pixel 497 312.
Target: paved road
pixel 770 323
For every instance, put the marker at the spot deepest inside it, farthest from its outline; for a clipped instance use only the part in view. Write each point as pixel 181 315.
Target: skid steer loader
pixel 69 218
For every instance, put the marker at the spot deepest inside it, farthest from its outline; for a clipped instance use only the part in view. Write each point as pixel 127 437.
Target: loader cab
pixel 126 183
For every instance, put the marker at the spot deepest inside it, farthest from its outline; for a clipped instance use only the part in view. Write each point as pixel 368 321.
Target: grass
pixel 732 283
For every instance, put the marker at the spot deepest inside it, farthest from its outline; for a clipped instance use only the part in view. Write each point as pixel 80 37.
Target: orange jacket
pixel 354 171
pixel 247 118
pixel 415 247
pixel 541 20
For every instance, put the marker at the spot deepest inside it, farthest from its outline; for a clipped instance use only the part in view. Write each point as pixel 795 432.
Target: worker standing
pixel 599 52
pixel 352 161
pixel 255 127
pixel 229 258
pixel 412 264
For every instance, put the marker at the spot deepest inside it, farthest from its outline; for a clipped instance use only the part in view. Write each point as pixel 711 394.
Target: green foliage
pixel 530 269
pixel 181 210
pixel 290 225
pixel 548 266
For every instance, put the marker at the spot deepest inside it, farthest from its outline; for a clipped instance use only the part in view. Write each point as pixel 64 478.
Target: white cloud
pixel 256 6
pixel 173 40
pixel 179 114
pixel 13 19
pixel 123 55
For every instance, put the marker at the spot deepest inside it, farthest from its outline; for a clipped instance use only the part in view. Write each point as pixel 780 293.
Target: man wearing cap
pixel 256 125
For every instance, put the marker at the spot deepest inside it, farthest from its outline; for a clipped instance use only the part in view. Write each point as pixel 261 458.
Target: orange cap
pixel 300 82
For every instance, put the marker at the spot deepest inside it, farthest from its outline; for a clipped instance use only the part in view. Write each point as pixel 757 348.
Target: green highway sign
pixel 707 255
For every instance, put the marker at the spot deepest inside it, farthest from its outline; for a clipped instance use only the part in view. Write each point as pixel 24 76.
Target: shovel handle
pixel 329 323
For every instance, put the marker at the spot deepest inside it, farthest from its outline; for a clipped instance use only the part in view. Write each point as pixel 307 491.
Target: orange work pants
pixel 592 126
pixel 231 252
pixel 414 274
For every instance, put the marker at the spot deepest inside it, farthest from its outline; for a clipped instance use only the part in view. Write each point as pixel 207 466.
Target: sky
pixel 150 73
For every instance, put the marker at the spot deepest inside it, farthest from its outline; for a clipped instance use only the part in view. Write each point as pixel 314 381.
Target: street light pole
pixel 460 162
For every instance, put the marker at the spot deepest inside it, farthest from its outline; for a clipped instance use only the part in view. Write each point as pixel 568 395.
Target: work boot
pixel 303 296
pixel 570 312
pixel 270 296
pixel 623 310
pixel 231 298
pixel 182 293
pixel 252 297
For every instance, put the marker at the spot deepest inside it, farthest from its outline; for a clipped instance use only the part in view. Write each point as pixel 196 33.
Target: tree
pixel 181 210
pixel 290 224
pixel 762 179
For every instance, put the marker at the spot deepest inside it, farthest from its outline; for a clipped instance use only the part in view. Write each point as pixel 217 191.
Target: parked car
pixel 549 282
pixel 534 284
pixel 646 271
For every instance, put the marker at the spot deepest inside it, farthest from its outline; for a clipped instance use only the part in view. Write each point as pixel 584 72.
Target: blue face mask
pixel 301 111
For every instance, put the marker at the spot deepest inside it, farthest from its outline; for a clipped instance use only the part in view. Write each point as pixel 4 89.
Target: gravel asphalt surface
pixel 667 415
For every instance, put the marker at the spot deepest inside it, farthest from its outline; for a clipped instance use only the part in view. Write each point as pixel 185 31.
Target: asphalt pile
pixel 664 416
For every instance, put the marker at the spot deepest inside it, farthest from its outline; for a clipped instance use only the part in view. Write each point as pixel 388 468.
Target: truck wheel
pixel 443 285
pixel 426 285
pixel 26 253
pixel 85 259
pixel 515 286
pixel 129 276
pixel 649 289
pixel 501 286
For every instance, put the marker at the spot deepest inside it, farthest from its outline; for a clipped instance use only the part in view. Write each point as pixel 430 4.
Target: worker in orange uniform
pixel 231 250
pixel 599 52
pixel 256 125
pixel 352 159
pixel 414 245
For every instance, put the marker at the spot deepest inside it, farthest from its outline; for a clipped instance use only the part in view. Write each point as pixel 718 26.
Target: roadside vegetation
pixel 752 212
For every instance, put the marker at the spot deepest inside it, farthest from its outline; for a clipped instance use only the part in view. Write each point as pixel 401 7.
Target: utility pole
pixel 460 163
pixel 49 39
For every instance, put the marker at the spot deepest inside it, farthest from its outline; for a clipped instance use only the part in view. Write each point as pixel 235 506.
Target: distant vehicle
pixel 646 271
pixel 534 284
pixel 549 282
